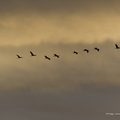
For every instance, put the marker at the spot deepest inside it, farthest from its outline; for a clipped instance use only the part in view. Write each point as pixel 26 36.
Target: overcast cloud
pixel 68 72
pixel 27 22
pixel 84 86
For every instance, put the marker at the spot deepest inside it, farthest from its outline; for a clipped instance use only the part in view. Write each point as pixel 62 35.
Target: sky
pixel 84 86
pixel 32 22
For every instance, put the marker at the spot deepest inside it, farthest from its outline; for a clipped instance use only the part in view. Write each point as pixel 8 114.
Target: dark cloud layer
pixel 89 103
pixel 42 6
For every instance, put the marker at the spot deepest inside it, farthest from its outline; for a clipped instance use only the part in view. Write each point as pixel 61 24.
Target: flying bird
pixel 75 52
pixel 97 49
pixel 55 55
pixel 19 56
pixel 46 57
pixel 32 54
pixel 117 47
pixel 86 50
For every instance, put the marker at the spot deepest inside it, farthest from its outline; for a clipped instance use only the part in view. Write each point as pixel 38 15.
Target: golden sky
pixel 27 22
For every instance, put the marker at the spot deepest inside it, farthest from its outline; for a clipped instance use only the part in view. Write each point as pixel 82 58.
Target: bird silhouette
pixel 55 55
pixel 46 57
pixel 117 47
pixel 86 50
pixel 19 56
pixel 32 54
pixel 75 52
pixel 97 49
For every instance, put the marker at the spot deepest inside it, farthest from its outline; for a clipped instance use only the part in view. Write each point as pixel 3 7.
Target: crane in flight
pixel 46 57
pixel 55 55
pixel 97 49
pixel 75 52
pixel 86 50
pixel 32 54
pixel 19 56
pixel 117 47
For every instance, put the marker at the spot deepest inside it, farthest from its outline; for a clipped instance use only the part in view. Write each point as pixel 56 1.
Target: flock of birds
pixel 75 52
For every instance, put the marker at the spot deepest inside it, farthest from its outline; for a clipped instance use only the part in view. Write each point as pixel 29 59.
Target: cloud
pixel 89 103
pixel 66 73
pixel 34 29
pixel 71 87
pixel 24 22
pixel 83 86
pixel 52 6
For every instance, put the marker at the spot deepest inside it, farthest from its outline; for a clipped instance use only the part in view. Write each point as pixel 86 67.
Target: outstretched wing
pixel 75 52
pixel 96 48
pixel 56 55
pixel 19 56
pixel 31 53
pixel 116 46
pixel 47 57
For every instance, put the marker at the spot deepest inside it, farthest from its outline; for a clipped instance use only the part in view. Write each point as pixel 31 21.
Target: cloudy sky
pixel 84 86
pixel 31 22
